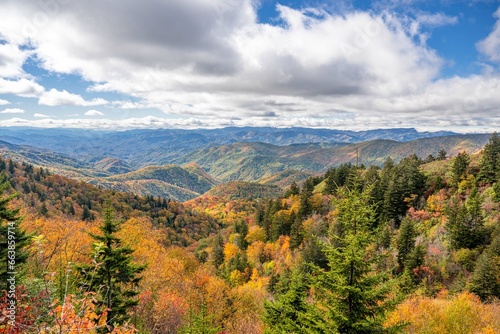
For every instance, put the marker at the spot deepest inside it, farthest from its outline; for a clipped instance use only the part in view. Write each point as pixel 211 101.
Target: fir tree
pixel 490 162
pixel 112 275
pixel 460 166
pixel 218 251
pixel 441 155
pixel 13 239
pixel 406 241
pixel 485 281
pixel 465 223
pixel 287 313
pixel 351 297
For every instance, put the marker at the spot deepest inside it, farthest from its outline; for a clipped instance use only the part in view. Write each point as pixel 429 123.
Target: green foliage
pixel 287 313
pixel 350 296
pixel 465 223
pixel 460 167
pixel 112 275
pixel 406 241
pixel 490 162
pixel 218 251
pixel 485 281
pixel 13 239
pixel 402 183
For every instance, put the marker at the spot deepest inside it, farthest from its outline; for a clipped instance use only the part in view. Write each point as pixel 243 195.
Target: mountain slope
pixel 169 181
pixel 243 190
pixel 253 161
pixel 139 148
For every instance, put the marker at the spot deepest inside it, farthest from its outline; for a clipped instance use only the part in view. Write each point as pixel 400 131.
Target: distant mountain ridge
pixel 157 162
pixel 138 148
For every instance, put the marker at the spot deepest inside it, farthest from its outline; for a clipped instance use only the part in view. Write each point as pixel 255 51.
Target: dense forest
pixel 410 247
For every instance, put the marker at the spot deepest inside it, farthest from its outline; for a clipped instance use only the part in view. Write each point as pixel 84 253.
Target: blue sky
pixel 431 65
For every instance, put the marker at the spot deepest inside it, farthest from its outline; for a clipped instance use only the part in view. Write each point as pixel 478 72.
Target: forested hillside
pixel 410 246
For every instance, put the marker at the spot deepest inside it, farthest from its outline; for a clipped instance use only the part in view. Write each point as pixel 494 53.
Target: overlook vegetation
pixel 410 245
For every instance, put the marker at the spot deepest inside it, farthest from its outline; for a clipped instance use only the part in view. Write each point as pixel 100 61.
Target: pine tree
pixel 460 166
pixel 13 239
pixel 406 241
pixel 465 223
pixel 490 162
pixel 485 281
pixel 218 251
pixel 351 296
pixel 112 275
pixel 287 313
pixel 441 155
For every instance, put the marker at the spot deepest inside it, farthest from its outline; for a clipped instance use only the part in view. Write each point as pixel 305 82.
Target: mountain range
pixel 183 164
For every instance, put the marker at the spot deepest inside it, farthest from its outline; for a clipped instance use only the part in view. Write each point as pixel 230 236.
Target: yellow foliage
pixel 254 253
pixel 463 314
pixel 230 251
pixel 255 233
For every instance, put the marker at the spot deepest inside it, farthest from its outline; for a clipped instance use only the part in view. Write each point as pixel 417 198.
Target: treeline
pixel 429 226
pixel 54 196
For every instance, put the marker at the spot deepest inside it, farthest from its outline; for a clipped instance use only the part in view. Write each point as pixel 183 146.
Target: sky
pixel 122 64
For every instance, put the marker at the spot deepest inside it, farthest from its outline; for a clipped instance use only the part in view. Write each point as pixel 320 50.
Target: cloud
pixel 94 113
pixel 38 115
pixel 22 87
pixel 11 61
pixel 436 19
pixel 213 63
pixel 490 46
pixel 4 102
pixel 12 111
pixel 64 98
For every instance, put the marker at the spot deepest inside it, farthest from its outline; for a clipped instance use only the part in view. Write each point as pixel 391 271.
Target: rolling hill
pixel 139 148
pixel 243 190
pixel 169 181
pixel 254 161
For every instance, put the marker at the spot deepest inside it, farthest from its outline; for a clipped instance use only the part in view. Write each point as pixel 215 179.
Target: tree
pixel 485 281
pixel 13 239
pixel 286 314
pixel 441 155
pixel 350 296
pixel 465 223
pixel 406 241
pixel 490 162
pixel 460 166
pixel 112 275
pixel 218 251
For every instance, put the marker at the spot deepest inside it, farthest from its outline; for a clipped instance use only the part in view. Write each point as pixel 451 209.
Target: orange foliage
pixel 463 314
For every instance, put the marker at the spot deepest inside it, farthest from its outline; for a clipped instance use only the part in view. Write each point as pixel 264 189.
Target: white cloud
pixel 213 63
pixel 22 87
pixel 12 111
pixel 11 61
pixel 436 19
pixel 38 115
pixel 4 102
pixel 490 46
pixel 94 113
pixel 64 98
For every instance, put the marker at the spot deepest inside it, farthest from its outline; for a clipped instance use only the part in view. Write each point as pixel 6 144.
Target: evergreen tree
pixel 287 313
pixel 218 251
pixel 485 281
pixel 465 223
pixel 296 231
pixel 460 166
pixel 351 296
pixel 490 162
pixel 13 239
pixel 406 241
pixel 112 275
pixel 441 155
